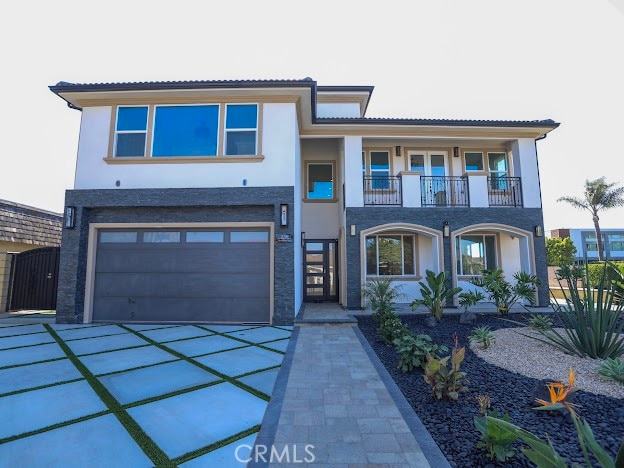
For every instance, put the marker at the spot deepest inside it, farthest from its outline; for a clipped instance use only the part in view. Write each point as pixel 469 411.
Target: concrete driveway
pixel 135 395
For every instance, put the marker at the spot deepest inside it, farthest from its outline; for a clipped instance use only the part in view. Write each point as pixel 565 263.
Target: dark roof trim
pixel 65 87
pixel 33 209
pixel 345 89
pixel 438 122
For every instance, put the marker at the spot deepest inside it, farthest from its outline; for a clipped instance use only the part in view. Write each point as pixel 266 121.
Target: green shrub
pixel 504 294
pixel 497 440
pixel 435 293
pixel 413 351
pixel 540 322
pixel 560 251
pixel 483 336
pixel 382 293
pixel 391 329
pixel 612 369
pixel 470 298
pixel 446 382
pixel 592 321
pixel 596 270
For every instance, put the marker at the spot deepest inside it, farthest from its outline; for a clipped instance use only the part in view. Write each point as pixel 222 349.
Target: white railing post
pixel 478 190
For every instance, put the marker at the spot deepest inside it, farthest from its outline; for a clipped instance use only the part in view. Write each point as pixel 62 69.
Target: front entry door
pixel 320 270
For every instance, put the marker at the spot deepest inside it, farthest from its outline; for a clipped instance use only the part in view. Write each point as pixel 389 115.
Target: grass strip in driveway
pixel 217 445
pixel 149 447
pixel 227 378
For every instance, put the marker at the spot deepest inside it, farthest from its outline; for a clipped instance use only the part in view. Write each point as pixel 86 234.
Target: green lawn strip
pixel 30 363
pixel 99 376
pixel 21 334
pixel 25 346
pixel 171 394
pixel 104 351
pixel 92 337
pixel 153 451
pixel 53 426
pixel 256 372
pixel 227 378
pixel 236 338
pixel 222 443
pixel 24 390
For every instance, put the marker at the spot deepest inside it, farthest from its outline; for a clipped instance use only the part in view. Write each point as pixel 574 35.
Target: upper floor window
pixel 376 164
pixel 496 162
pixel 241 129
pixel 185 131
pixel 189 130
pixel 475 253
pixel 320 183
pixel 131 131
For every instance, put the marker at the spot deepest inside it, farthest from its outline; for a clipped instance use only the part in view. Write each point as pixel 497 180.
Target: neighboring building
pixel 586 245
pixel 23 228
pixel 237 201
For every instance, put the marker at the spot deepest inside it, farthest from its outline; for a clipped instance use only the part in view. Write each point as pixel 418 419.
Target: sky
pixel 477 59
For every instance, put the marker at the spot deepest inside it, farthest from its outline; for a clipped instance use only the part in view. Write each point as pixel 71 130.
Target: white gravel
pixel 529 357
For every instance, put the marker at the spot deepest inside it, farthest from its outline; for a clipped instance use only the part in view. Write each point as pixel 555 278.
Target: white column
pixel 478 191
pixel 353 176
pixel 410 184
pixel 525 166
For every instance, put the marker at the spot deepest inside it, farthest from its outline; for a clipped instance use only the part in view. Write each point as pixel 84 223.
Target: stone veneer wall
pixel 244 204
pixel 368 217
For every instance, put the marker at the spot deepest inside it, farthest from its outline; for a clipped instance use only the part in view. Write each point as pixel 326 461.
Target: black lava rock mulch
pixel 451 423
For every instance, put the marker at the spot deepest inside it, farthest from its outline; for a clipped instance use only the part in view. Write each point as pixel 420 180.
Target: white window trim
pixel 427 160
pixel 482 161
pixel 414 256
pixel 491 172
pixel 125 132
pixel 227 130
pixel 485 258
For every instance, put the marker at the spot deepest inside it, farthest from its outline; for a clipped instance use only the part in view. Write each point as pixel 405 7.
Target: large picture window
pixel 475 254
pixel 131 131
pixel 320 181
pixel 390 255
pixel 186 131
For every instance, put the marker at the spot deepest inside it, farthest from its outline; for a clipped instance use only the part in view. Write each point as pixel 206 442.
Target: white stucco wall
pixel 510 255
pixel 279 140
pixel 524 157
pixel 298 255
pixel 338 109
pixel 353 171
pixel 322 220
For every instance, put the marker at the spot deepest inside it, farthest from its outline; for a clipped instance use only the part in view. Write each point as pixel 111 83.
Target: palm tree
pixel 598 196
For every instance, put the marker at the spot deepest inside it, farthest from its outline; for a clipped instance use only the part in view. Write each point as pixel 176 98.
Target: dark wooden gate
pixel 34 279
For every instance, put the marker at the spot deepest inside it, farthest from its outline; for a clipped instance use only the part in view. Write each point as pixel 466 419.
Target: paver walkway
pixel 336 400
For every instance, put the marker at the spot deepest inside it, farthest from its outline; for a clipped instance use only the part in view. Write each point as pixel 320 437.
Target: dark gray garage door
pixel 170 275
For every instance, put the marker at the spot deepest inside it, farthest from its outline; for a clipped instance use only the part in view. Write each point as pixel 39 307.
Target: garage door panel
pixel 182 285
pixel 172 309
pixel 181 260
pixel 176 282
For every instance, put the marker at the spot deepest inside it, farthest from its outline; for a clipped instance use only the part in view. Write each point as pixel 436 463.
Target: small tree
pixel 598 196
pixel 560 251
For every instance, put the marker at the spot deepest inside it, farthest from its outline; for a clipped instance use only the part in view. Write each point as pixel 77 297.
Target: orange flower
pixel 558 392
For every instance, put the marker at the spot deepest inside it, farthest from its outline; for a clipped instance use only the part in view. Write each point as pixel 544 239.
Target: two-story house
pixel 238 201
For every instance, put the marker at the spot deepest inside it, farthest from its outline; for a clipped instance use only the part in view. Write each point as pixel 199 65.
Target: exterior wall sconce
pixel 456 151
pixel 70 217
pixel 302 239
pixel 353 230
pixel 446 229
pixel 283 215
pixel 539 232
pixel 397 150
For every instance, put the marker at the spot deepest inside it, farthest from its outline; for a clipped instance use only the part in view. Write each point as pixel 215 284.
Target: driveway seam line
pixel 40 387
pixel 12 366
pixel 130 369
pixel 112 350
pixel 164 396
pixel 136 432
pixel 25 346
pixel 21 334
pixel 236 338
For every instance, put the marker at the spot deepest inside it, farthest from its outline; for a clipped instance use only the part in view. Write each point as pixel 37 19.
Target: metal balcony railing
pixel 444 191
pixel 504 191
pixel 382 190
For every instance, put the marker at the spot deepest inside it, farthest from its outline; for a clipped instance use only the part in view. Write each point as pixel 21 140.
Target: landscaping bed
pixel 451 423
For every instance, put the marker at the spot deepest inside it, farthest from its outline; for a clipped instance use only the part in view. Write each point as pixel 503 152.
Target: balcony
pixel 411 190
pixel 504 191
pixel 444 191
pixel 383 190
